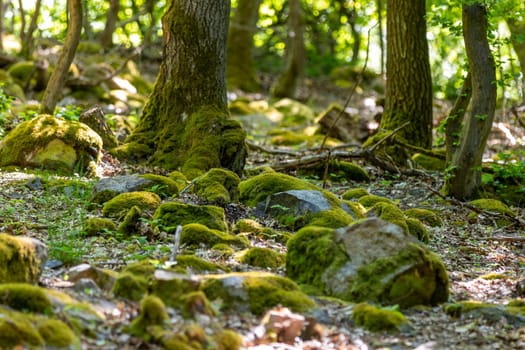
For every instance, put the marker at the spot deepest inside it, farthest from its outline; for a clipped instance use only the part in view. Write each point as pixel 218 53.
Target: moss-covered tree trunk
pixel 106 37
pixel 58 78
pixel 465 169
pixel 517 37
pixel 409 83
pixel 240 70
pixel 185 123
pixel 287 83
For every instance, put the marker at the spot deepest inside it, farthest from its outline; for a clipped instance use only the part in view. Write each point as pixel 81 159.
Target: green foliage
pixel 5 108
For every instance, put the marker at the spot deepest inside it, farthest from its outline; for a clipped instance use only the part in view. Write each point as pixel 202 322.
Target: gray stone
pixel 121 184
pixel 295 202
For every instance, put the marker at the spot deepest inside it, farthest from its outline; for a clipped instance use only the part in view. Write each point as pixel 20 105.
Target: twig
pixel 388 137
pixel 176 243
pixel 503 239
pixel 260 148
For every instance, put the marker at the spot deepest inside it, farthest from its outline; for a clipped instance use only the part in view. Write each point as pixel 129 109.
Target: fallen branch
pixel 503 239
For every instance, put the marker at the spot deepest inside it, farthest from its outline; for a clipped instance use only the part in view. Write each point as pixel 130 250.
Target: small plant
pixel 69 112
pixel 5 108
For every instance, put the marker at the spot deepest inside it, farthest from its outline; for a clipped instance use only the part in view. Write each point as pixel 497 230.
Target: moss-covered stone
pixel 513 313
pixel 339 170
pixel 218 186
pixel 332 218
pixel 96 226
pixel 152 313
pixel 228 340
pixel 357 209
pixel 52 143
pixel 162 185
pixel 129 224
pixel 355 193
pixel 294 112
pixel 258 188
pixel 122 203
pixel 22 71
pixel 428 162
pixel 262 257
pixel 377 319
pixel 196 235
pixel 130 286
pixel 240 107
pixel 370 200
pixel 180 179
pixel 492 205
pixel 57 334
pixel 19 261
pixel 17 330
pixel 389 212
pixel 247 226
pixel 175 213
pixel 426 216
pixel 198 265
pixel 280 137
pixel 25 297
pixel 223 250
pixel 194 303
pixel 418 230
pixel 170 286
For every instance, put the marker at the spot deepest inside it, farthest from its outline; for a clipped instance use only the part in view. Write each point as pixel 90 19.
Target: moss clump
pixel 418 230
pixel 96 226
pixel 370 200
pixel 194 303
pixel 427 162
pixel 197 264
pixel 130 286
pixel 248 226
pixel 25 297
pixel 387 150
pixel 288 138
pixel 262 257
pixel 426 216
pixel 22 71
pixel 18 260
pixel 492 205
pixel 258 188
pixel 240 107
pixel 333 218
pixel 223 250
pixel 129 224
pixel 16 330
pixel 356 208
pixel 57 334
pixel 170 286
pixel 391 213
pixel 162 185
pixel 339 170
pixel 294 112
pixel 228 340
pixel 175 213
pixel 377 319
pixel 122 203
pixel 195 235
pixel 152 313
pixel 355 193
pixel 192 337
pixel 180 179
pixel 218 186
pixel 132 151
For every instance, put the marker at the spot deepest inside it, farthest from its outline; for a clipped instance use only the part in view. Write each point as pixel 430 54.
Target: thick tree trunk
pixel 58 78
pixel 287 83
pixel 240 71
pixel 409 83
pixel 185 123
pixel 106 37
pixel 465 176
pixel 517 28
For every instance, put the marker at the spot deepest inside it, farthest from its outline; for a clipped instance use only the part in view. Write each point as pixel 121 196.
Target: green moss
pixel 195 235
pixel 355 193
pixel 339 170
pixel 333 218
pixel 130 286
pixel 22 71
pixel 294 112
pixel 218 186
pixel 170 286
pixel 175 213
pixel 95 226
pixel 430 163
pixel 258 188
pixel 240 107
pixel 387 150
pixel 122 203
pixel 492 205
pixel 391 213
pixel 370 200
pixel 228 340
pixel 262 257
pixel 180 179
pixel 427 216
pixel 247 226
pixel 377 319
pixel 129 224
pixel 16 329
pixel 418 230
pixel 194 303
pixel 223 249
pixel 288 138
pixel 131 151
pixel 357 209
pixel 152 312
pixel 18 260
pixel 197 264
pixel 57 334
pixel 162 185
pixel 25 297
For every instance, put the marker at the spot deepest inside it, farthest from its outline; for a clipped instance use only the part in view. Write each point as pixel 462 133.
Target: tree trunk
pixel 185 123
pixel 1 26
pixel 455 118
pixel 465 169
pixel 517 28
pixel 106 37
pixel 240 71
pixel 28 42
pixel 286 85
pixel 409 83
pixel 58 78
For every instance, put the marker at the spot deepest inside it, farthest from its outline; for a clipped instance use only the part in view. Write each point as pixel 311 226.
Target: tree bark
pixel 1 26
pixel 106 37
pixel 409 83
pixel 240 71
pixel 28 36
pixel 286 85
pixel 57 80
pixel 517 28
pixel 465 171
pixel 455 118
pixel 185 123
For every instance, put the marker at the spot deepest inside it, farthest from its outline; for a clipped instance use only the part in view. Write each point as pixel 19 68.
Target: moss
pixel 355 193
pixel 130 286
pixel 228 340
pixel 95 226
pixel 180 179
pixel 194 303
pixel 22 71
pixel 387 150
pixel 223 249
pixel 162 185
pixel 294 112
pixel 131 151
pixel 262 257
pixel 129 224
pixel 258 188
pixel 152 312
pixel 171 286
pixel 339 170
pixel 492 205
pixel 240 107
pixel 195 235
pixel 426 216
pixel 25 297
pixel 197 264
pixel 370 200
pixel 49 140
pixel 122 203
pixel 391 213
pixel 333 218
pixel 89 47
pixel 57 334
pixel 218 186
pixel 377 319
pixel 288 138
pixel 357 209
pixel 192 337
pixel 175 213
pixel 427 162
pixel 18 260
pixel 310 252
pixel 247 226
pixel 16 329
pixel 418 230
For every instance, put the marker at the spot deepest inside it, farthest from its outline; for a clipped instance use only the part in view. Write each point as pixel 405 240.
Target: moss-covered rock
pixel 25 297
pixel 339 170
pixel 152 313
pixel 170 286
pixel 370 200
pixel 513 313
pixel 198 265
pixel 196 235
pixel 426 216
pixel 20 259
pixel 129 224
pixel 56 334
pixel 418 230
pixel 96 226
pixel 294 112
pixel 22 71
pixel 194 303
pixel 262 257
pixel 175 213
pixel 389 212
pixel 52 143
pixel 162 185
pixel 122 203
pixel 17 330
pixel 228 340
pixel 428 162
pixel 377 319
pixel 355 193
pixel 258 188
pixel 492 205
pixel 180 179
pixel 129 285
pixel 218 186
